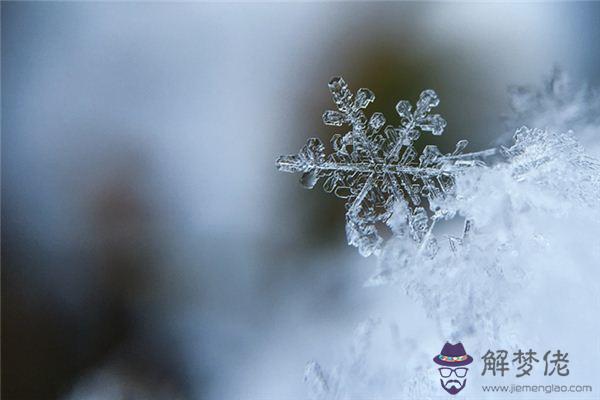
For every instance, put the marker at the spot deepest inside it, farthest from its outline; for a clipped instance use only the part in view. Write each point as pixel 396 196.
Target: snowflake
pixel 375 167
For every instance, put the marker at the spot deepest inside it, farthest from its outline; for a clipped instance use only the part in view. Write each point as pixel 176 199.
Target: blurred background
pixel 150 249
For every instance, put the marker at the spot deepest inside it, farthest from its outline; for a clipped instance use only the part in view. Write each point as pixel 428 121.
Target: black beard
pixel 453 389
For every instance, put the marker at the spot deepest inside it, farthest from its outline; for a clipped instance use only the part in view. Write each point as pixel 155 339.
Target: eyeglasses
pixel 459 372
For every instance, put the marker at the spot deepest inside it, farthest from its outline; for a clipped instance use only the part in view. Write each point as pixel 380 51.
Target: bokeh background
pixel 150 249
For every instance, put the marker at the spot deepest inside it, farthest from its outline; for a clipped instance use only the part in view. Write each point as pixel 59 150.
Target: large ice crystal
pixel 374 167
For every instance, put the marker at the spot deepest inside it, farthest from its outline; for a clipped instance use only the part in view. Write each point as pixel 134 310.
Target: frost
pixel 556 161
pixel 317 381
pixel 375 167
pixel 360 372
pixel 520 211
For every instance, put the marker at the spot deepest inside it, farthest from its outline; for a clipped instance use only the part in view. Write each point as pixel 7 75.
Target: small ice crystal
pixel 374 168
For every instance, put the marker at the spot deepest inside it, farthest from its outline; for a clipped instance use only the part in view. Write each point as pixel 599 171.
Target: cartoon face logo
pixel 453 373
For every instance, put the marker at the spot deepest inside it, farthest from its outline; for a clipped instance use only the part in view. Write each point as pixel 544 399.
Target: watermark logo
pixel 453 360
pixel 497 362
